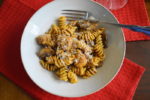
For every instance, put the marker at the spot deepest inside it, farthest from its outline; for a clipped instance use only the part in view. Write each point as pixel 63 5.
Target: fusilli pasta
pixel 78 71
pixel 72 49
pixel 95 61
pixel 47 66
pixel 99 48
pixel 62 22
pixel 72 77
pixel 62 73
pixel 89 35
pixel 90 72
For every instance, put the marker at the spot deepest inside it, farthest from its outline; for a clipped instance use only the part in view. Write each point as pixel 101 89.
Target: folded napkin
pixel 121 88
pixel 14 14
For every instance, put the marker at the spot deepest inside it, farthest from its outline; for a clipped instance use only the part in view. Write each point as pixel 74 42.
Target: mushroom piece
pixel 45 52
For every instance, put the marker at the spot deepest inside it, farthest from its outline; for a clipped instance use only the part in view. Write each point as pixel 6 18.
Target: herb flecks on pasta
pixel 72 49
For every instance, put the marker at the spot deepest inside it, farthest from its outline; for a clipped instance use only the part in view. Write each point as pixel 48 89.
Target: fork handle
pixel 143 29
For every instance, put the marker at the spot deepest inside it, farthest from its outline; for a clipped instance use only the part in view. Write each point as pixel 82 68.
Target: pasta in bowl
pixel 97 76
pixel 73 49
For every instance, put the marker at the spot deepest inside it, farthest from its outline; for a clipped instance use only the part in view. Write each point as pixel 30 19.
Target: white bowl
pixel 41 21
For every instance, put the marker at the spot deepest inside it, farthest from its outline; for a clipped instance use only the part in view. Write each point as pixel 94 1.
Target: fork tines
pixel 81 11
pixel 75 14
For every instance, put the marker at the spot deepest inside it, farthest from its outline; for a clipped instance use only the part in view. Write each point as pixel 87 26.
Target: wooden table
pixel 138 52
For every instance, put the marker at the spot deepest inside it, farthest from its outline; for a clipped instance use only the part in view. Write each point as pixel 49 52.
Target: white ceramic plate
pixel 41 22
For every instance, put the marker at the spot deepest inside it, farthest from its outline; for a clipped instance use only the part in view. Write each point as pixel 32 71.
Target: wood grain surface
pixel 138 52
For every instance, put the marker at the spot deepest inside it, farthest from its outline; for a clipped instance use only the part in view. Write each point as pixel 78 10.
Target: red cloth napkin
pixel 121 88
pixel 14 14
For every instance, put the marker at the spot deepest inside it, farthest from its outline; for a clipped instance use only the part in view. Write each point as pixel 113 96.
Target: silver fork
pixel 85 15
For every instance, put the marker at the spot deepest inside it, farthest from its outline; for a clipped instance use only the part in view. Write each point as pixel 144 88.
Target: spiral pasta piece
pixel 54 60
pixel 54 30
pixel 90 72
pixel 99 48
pixel 69 60
pixel 62 73
pixel 72 77
pixel 90 36
pixel 94 61
pixel 71 29
pixel 68 30
pixel 87 36
pixel 60 62
pixel 48 66
pixel 62 22
pixel 78 71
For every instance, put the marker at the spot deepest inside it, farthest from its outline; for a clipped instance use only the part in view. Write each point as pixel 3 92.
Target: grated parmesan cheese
pixel 76 60
pixel 92 43
pixel 89 55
